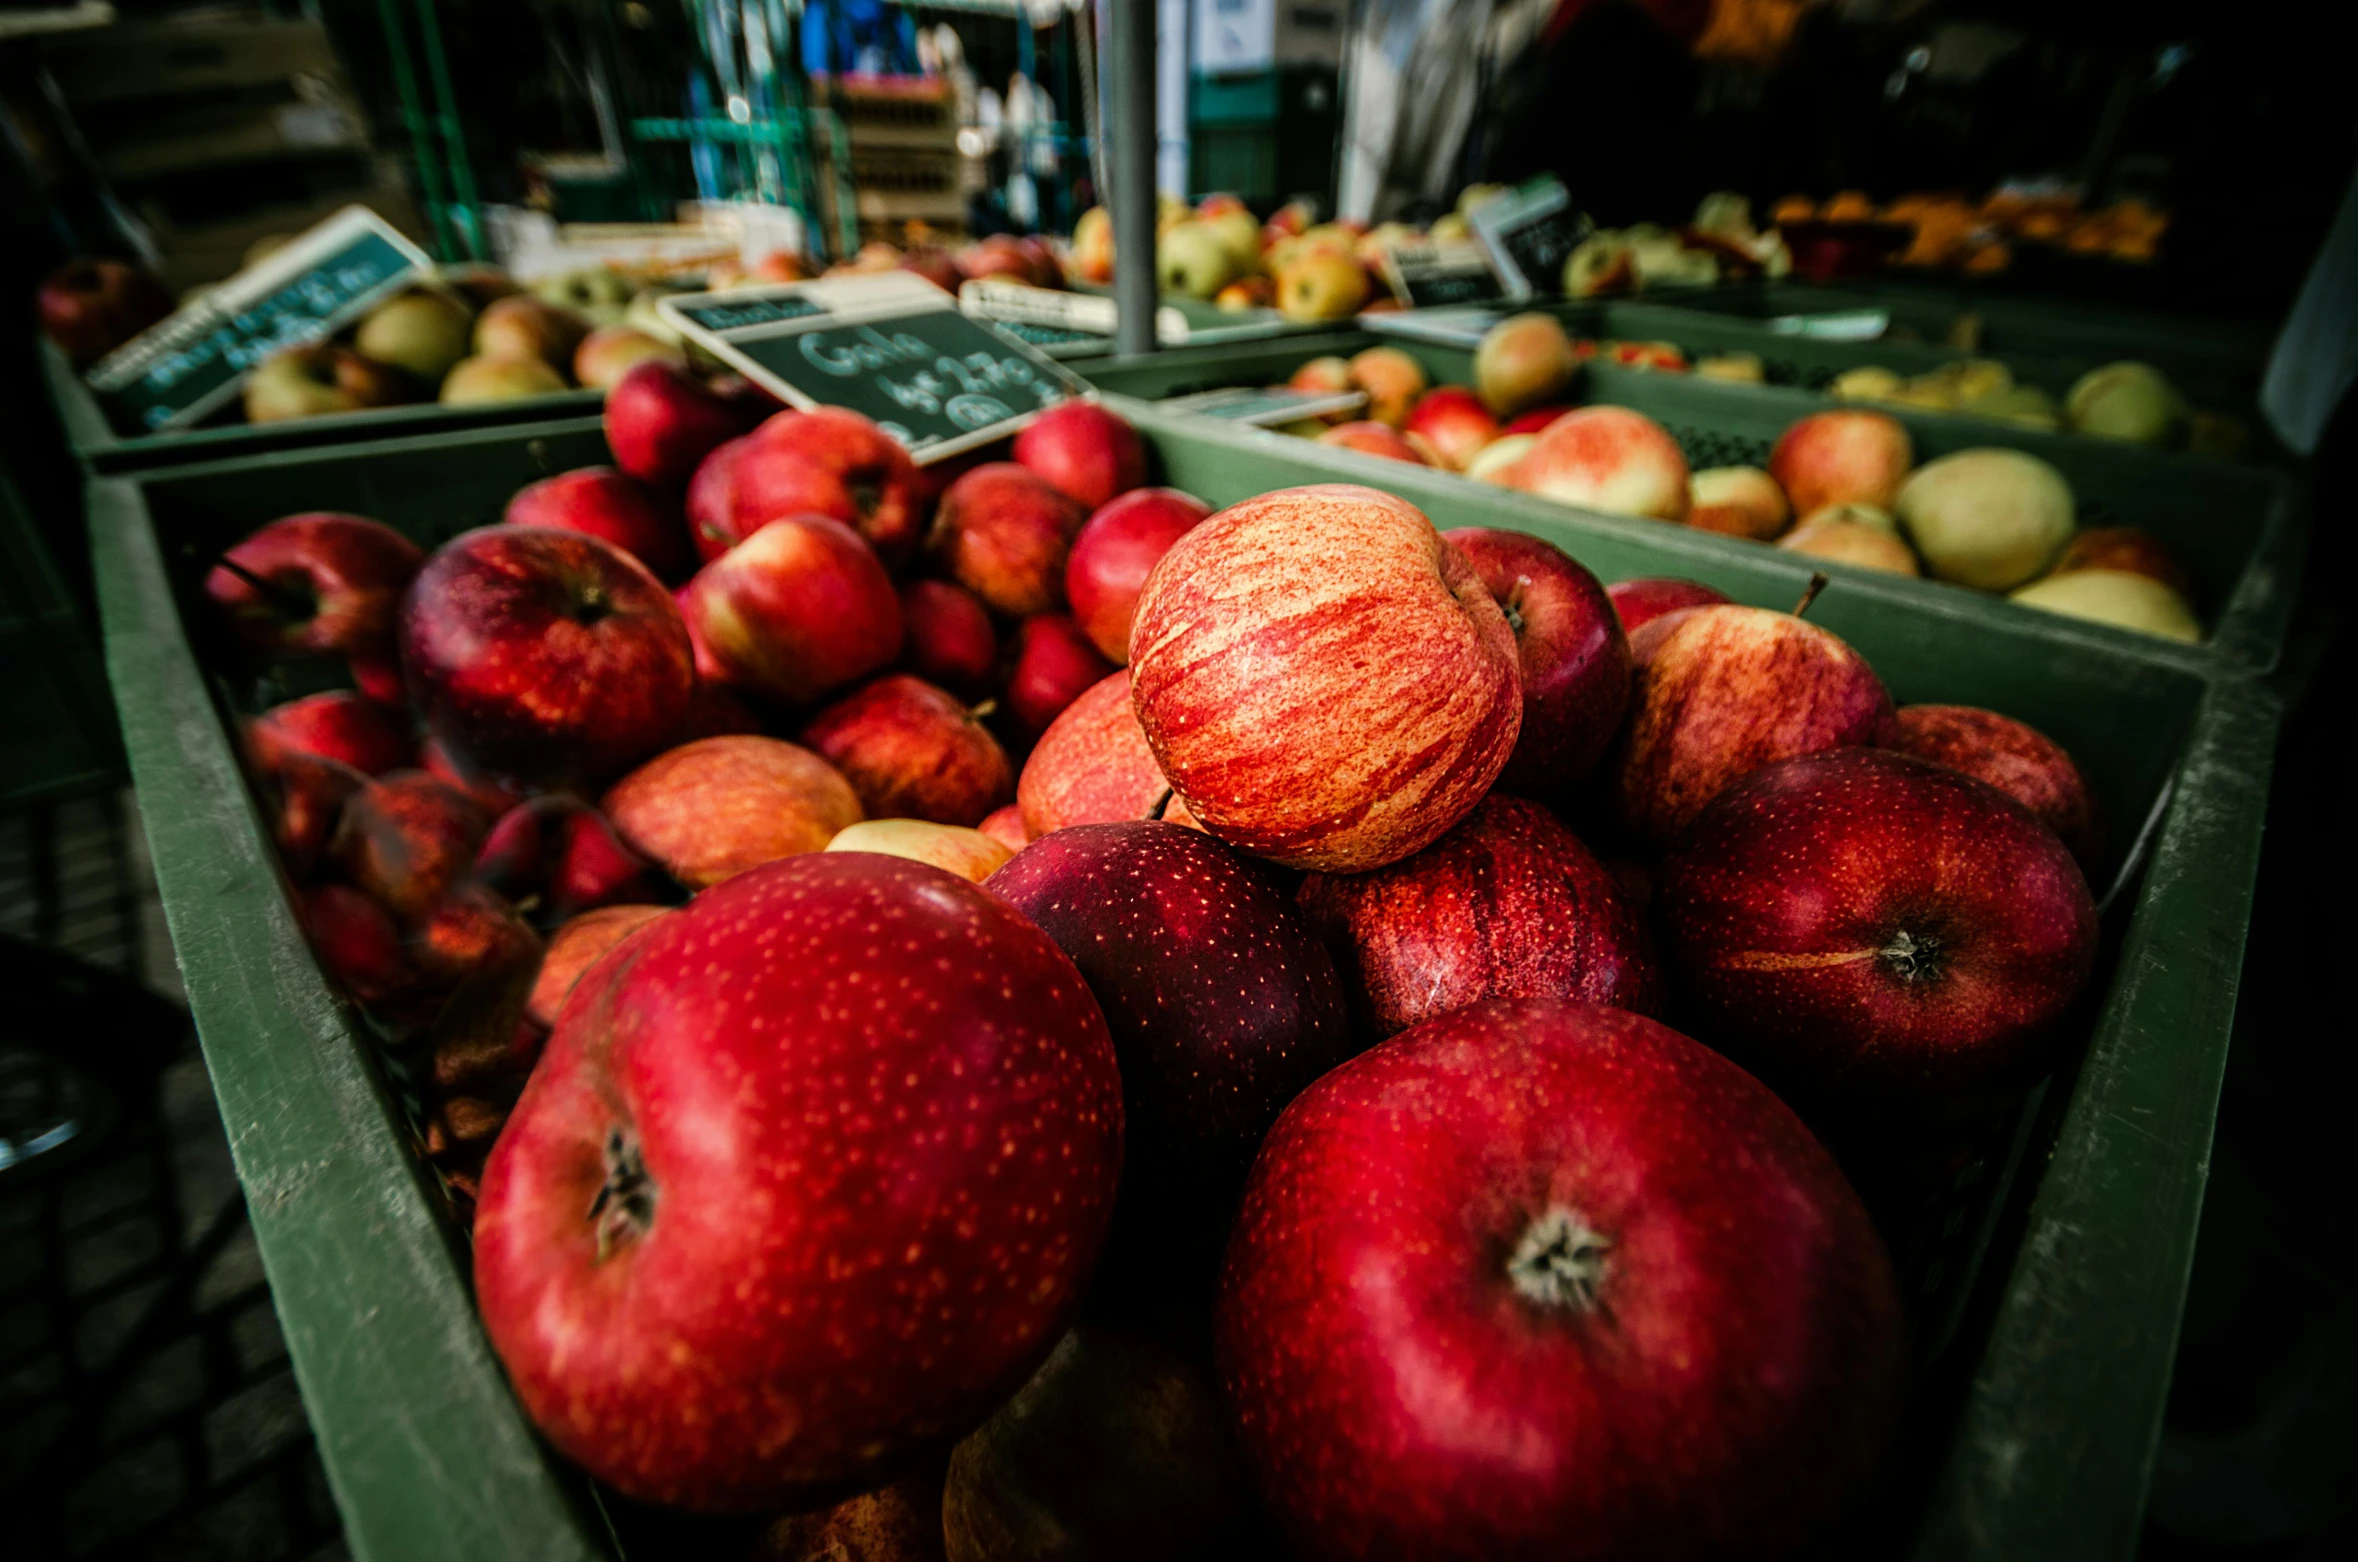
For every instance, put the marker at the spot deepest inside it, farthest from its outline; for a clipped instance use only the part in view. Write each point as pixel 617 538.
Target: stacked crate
pixel 900 152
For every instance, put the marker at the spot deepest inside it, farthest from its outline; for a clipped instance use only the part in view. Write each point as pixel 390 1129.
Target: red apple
pixel 356 941
pixel 1371 438
pixel 334 586
pixel 1448 426
pixel 2016 758
pixel 1847 456
pixel 545 655
pixel 1115 552
pixel 1084 452
pixel 1325 680
pixel 406 840
pixel 1540 1279
pixel 1609 459
pixel 1006 826
pixel 1639 602
pixel 711 809
pixel 1534 421
pixel 1509 904
pixel 829 461
pixel 797 609
pixel 710 505
pixel 473 933
pixel 912 751
pixel 486 792
pixel 1573 654
pixel 600 502
pixel 946 636
pixel 565 856
pixel 1222 1005
pixel 91 307
pixel 1720 692
pixel 786 1170
pixel 1054 665
pixel 576 946
pixel 1002 532
pixel 338 725
pixel 1862 922
pixel 1092 765
pixel 305 797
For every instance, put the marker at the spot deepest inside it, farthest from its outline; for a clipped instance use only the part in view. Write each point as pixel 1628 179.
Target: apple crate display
pixel 977 909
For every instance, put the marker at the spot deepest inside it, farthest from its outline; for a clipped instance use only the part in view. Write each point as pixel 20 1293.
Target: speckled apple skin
pixel 912 751
pixel 1509 904
pixel 337 725
pixel 799 609
pixel 883 1124
pixel 1776 902
pixel 2013 756
pixel 1223 1006
pixel 1730 1390
pixel 711 809
pixel 1092 765
pixel 1324 680
pixel 1722 691
pixel 1573 655
pixel 1003 533
pixel 512 681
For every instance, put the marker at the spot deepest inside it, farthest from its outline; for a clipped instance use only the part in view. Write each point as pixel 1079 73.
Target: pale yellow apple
pixel 2116 597
pixel 970 854
pixel 1990 518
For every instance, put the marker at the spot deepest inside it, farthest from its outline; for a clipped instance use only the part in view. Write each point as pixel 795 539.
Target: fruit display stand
pixel 2051 1264
pixel 2241 530
pixel 100 447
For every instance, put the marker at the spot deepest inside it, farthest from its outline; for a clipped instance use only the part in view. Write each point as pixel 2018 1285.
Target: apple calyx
pixel 1912 957
pixel 624 1210
pixel 1560 1262
pixel 1513 605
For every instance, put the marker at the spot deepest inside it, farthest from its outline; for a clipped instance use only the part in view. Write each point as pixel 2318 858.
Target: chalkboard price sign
pixel 178 371
pixel 893 347
pixel 1434 276
pixel 1527 234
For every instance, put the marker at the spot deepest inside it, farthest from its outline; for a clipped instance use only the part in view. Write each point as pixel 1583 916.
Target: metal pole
pixel 1130 115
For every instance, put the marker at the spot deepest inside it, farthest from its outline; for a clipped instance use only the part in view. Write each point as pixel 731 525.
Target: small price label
pixel 1527 233
pixel 1266 408
pixel 1436 276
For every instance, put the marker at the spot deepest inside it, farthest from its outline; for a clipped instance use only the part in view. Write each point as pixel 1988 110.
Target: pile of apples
pixel 1841 485
pixel 1218 250
pixel 1268 1117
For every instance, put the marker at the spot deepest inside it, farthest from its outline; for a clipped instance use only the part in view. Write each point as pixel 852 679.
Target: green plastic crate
pixel 101 447
pixel 2241 529
pixel 2034 1442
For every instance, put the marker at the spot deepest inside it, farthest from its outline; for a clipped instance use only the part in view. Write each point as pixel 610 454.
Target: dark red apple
pixel 1641 601
pixel 1575 658
pixel 337 725
pixel 1092 765
pixel 797 610
pixel 2013 756
pixel 1055 664
pixel 563 857
pixel 333 586
pixel 913 751
pixel 1540 1279
pixel 830 461
pixel 1003 533
pixel 406 840
pixel 1862 922
pixel 612 507
pixel 809 1181
pixel 356 941
pixel 544 655
pixel 662 422
pixel 1509 904
pixel 1223 1006
pixel 1085 452
pixel 305 796
pixel 946 636
pixel 1114 553
pixel 487 792
pixel 91 307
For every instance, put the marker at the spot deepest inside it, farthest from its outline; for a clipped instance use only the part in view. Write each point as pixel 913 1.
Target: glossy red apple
pixel 1084 452
pixel 800 608
pixel 1509 904
pixel 1865 922
pixel 946 636
pixel 1573 655
pixel 913 751
pixel 600 502
pixel 1639 602
pixel 1325 680
pixel 1448 426
pixel 761 1228
pixel 1550 1280
pixel 332 586
pixel 829 461
pixel 1092 765
pixel 1003 533
pixel 1222 1005
pixel 91 307
pixel 1115 552
pixel 661 423
pixel 711 809
pixel 1055 664
pixel 337 725
pixel 710 504
pixel 1722 691
pixel 2013 756
pixel 544 655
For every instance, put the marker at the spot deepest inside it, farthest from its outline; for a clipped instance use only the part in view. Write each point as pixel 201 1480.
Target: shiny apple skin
pixel 1573 654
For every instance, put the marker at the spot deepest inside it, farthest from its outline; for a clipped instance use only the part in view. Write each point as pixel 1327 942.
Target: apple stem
pixel 289 600
pixel 1161 804
pixel 1817 583
pixel 980 711
pixel 625 1206
pixel 1560 1261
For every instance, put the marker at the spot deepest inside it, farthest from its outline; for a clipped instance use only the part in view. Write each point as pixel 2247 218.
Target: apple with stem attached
pixel 912 751
pixel 317 584
pixel 1571 649
pixel 827 461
